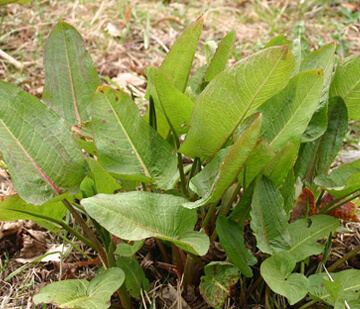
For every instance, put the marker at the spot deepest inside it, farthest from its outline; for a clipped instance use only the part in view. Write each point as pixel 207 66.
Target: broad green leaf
pixel 128 147
pixel 124 249
pixel 103 181
pixel 279 166
pixel 287 190
pixel 222 54
pixel 287 114
pixel 268 218
pixel 139 215
pixel 87 187
pixel 315 158
pixel 70 75
pixel 175 105
pixel 259 158
pixel 13 208
pixel 279 40
pixel 348 279
pixel 322 58
pixel 234 94
pixel 216 283
pixel 305 243
pixel 38 148
pixel 178 62
pixel 135 279
pixel 82 294
pixel 233 163
pixel 277 273
pixel 342 181
pixel 346 84
pixel 232 240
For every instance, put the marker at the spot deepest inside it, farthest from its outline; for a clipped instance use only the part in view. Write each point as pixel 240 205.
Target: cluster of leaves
pixel 264 129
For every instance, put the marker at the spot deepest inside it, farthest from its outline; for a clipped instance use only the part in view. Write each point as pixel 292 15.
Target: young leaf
pixel 135 279
pixel 323 58
pixel 103 181
pixel 287 114
pixel 342 181
pixel 346 84
pixel 178 62
pixel 279 166
pixel 350 285
pixel 80 293
pixel 232 240
pixel 216 283
pixel 344 212
pixel 304 206
pixel 312 229
pixel 234 162
pixel 128 147
pixel 279 40
pixel 234 94
pixel 268 218
pixel 277 273
pixel 222 54
pixel 139 215
pixel 70 76
pixel 124 249
pixel 175 105
pixel 259 158
pixel 315 158
pixel 13 208
pixel 38 147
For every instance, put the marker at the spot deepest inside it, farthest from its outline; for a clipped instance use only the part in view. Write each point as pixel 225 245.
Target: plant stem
pixel 209 215
pixel 346 257
pixel 307 305
pixel 97 245
pixel 188 272
pixel 181 172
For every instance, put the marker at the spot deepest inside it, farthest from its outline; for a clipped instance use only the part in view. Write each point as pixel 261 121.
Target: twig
pixel 10 59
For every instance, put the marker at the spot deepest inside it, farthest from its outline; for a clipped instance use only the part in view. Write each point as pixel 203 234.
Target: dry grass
pixel 126 36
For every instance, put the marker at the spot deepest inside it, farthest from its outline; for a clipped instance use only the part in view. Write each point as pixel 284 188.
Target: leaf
pixel 139 215
pixel 135 279
pixel 322 58
pixel 216 283
pixel 202 182
pixel 344 212
pixel 13 208
pixel 175 105
pixel 278 168
pixel 346 84
pixel 38 148
pixel 124 249
pixel 4 2
pixel 350 284
pixel 103 181
pixel 312 229
pixel 342 181
pixel 222 54
pixel 315 158
pixel 232 240
pixel 178 62
pixel 287 114
pixel 70 75
pixel 277 273
pixel 268 218
pixel 259 158
pixel 279 40
pixel 304 205
pixel 234 162
pixel 287 190
pixel 232 95
pixel 82 294
pixel 128 147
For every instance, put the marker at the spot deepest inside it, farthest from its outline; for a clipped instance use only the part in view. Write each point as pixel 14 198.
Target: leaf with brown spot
pixel 344 212
pixel 304 205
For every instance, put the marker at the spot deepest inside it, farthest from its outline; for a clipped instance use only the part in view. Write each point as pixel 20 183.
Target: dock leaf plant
pixel 219 160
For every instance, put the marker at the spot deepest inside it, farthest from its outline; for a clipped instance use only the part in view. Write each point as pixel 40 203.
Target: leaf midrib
pixel 75 104
pixel 129 139
pixel 293 115
pixel 32 161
